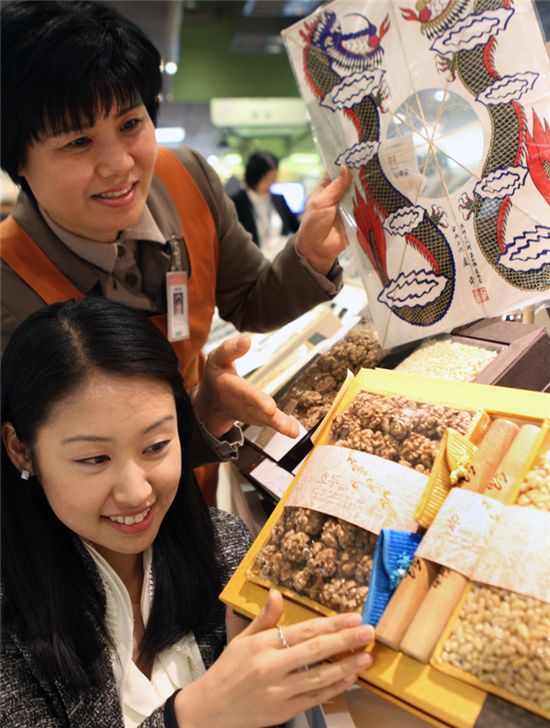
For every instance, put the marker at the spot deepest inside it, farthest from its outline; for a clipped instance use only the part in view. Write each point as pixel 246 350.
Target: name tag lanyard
pixel 176 294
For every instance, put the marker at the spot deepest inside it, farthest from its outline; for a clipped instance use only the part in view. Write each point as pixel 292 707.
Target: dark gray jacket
pixel 27 700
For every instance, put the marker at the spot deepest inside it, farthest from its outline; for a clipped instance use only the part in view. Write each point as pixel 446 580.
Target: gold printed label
pixel 360 488
pixel 516 557
pixel 460 531
pixel 491 543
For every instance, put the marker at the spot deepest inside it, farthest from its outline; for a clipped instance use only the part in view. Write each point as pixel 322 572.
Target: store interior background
pixel 228 86
pixel 233 91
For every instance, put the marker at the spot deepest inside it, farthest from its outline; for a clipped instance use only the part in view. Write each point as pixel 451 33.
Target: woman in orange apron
pixel 101 214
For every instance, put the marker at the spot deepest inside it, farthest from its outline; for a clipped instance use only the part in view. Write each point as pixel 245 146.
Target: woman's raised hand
pixel 321 236
pixel 223 397
pixel 261 681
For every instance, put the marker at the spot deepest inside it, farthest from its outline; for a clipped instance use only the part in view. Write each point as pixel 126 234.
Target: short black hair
pixel 259 164
pixel 48 597
pixel 63 64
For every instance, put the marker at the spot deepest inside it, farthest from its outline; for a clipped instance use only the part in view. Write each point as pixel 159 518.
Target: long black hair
pixel 48 595
pixel 65 62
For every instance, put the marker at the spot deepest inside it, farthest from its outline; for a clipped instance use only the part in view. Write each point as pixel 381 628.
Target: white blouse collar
pixel 173 668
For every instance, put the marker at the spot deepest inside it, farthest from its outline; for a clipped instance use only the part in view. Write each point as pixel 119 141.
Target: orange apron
pixel 24 256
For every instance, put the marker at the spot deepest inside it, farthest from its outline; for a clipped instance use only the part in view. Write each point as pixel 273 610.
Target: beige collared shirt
pixel 118 258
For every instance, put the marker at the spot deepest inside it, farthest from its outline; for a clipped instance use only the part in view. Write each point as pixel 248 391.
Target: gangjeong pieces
pixel 325 558
pixel 311 396
pixel 397 428
pixel 320 557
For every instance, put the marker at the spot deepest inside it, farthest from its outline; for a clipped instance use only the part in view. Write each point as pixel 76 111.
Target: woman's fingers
pixel 323 676
pixel 268 617
pixel 323 682
pixel 316 640
pixel 325 646
pixel 330 191
pixel 258 679
pixel 258 408
pixel 224 397
pixel 310 700
pixel 302 631
pixel 283 423
pixel 225 354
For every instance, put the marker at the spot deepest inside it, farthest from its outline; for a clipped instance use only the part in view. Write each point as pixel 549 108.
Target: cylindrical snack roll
pixel 491 452
pixel 405 601
pixel 443 595
pixel 501 485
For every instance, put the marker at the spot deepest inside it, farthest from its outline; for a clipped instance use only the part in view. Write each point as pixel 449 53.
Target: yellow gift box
pixel 441 698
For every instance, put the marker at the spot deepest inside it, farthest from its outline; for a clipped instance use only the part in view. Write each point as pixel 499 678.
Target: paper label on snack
pixel 516 557
pixel 461 530
pixel 363 489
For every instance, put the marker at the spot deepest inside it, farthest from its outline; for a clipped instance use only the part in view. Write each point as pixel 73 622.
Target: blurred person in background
pixel 265 215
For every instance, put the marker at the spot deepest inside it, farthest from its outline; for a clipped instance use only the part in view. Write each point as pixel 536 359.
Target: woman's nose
pixel 114 160
pixel 132 487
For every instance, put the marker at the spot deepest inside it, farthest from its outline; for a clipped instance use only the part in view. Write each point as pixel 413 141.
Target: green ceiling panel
pixel 209 69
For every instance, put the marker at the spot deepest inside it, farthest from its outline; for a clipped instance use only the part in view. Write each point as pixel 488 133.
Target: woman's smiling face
pixel 109 461
pixel 94 182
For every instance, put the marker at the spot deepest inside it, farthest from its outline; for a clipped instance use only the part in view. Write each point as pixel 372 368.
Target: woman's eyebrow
pixel 100 438
pixel 85 438
pixel 158 423
pixel 130 107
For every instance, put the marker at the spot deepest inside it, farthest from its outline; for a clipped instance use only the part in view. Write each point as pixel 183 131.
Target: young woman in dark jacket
pixel 111 562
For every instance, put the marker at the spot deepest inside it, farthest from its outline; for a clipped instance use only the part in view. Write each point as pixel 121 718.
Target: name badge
pixel 176 305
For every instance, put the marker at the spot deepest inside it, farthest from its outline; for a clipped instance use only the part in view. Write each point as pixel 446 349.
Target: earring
pixel 25 475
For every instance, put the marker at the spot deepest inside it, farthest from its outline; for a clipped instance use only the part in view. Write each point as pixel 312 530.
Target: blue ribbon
pixel 393 555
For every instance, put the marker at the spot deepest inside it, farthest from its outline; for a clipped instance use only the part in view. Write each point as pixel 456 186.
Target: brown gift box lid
pixel 523 361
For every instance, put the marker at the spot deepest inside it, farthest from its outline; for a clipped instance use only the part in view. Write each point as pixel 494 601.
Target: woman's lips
pixel 117 198
pixel 143 525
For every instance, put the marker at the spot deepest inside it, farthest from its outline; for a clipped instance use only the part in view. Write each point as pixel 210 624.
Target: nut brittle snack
pixel 320 557
pixel 310 397
pixel 319 553
pixel 397 428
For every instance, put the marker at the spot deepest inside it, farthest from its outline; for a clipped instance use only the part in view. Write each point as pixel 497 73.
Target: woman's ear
pixel 17 452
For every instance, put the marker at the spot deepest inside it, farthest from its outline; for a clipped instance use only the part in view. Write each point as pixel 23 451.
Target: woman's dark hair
pixel 49 596
pixel 63 64
pixel 259 164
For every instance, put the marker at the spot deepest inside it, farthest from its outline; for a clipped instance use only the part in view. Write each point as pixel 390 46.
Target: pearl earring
pixel 25 475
